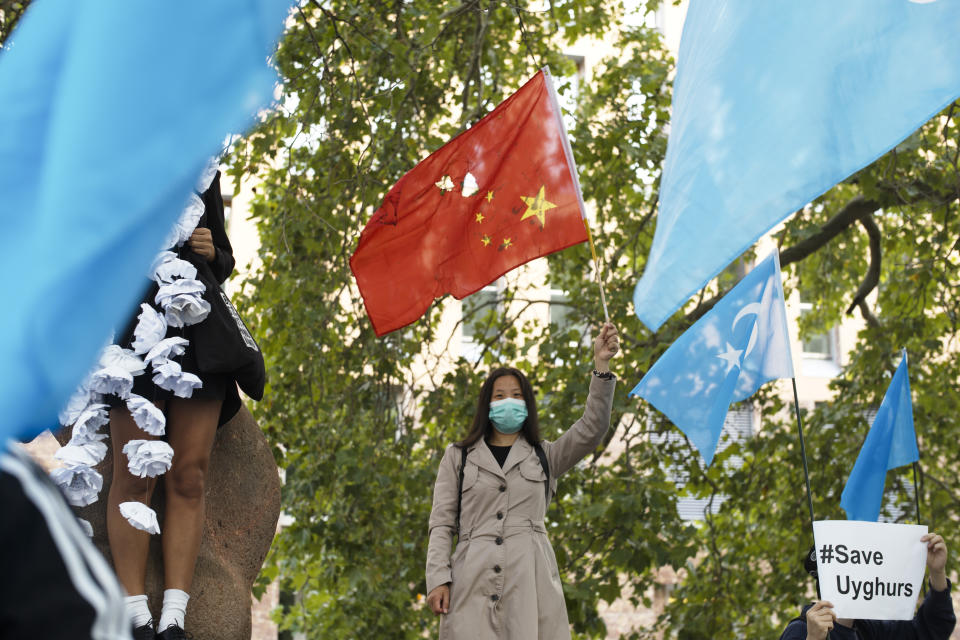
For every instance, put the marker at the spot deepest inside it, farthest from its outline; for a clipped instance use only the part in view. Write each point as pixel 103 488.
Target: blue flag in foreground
pixel 890 443
pixel 108 111
pixel 774 103
pixel 737 346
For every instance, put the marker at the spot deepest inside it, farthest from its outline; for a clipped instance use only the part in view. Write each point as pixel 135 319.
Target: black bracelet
pixel 607 375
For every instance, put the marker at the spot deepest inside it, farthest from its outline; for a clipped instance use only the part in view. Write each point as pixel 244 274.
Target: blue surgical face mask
pixel 507 415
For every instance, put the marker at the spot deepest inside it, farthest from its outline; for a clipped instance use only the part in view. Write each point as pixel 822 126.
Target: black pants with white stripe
pixel 55 583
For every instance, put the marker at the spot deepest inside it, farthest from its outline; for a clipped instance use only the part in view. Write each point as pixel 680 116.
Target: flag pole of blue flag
pixel 724 357
pixel 109 110
pixel 891 443
pixel 773 104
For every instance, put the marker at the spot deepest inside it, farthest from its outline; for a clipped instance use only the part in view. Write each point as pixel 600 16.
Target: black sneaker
pixel 145 632
pixel 173 632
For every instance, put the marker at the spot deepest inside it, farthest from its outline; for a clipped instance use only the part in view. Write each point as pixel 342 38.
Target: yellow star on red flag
pixel 537 206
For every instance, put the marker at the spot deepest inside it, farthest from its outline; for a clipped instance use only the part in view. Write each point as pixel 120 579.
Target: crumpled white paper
pixel 86 526
pixel 186 223
pixel 148 458
pixel 140 516
pixel 114 355
pixel 176 288
pixel 88 452
pixel 112 379
pixel 78 402
pixel 207 175
pixel 147 415
pixel 168 267
pixel 170 376
pixel 182 302
pixel 89 422
pixel 150 329
pixel 159 260
pixel 185 310
pixel 168 348
pixel 80 485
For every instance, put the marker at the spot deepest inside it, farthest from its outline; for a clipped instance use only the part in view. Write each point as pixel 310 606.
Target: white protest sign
pixel 870 570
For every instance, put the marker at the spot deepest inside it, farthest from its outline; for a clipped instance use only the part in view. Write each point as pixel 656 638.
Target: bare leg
pixel 128 545
pixel 191 428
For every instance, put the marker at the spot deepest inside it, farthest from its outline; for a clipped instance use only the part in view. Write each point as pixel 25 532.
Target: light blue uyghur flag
pixel 774 103
pixel 890 443
pixel 108 111
pixel 724 357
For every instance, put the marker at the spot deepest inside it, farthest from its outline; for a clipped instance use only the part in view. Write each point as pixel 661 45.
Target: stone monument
pixel 242 509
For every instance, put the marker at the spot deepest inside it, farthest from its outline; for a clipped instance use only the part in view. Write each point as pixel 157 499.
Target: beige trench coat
pixel 504 580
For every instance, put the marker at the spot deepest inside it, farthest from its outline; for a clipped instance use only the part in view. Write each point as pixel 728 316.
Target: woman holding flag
pixel 492 489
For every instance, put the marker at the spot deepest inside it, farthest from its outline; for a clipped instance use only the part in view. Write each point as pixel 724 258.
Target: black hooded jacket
pixel 934 620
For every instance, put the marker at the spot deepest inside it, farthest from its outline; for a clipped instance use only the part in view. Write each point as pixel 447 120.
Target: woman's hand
pixel 201 241
pixel 605 347
pixel 439 599
pixel 936 560
pixel 820 619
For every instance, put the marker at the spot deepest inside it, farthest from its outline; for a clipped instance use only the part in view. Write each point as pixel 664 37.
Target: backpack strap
pixel 463 463
pixel 546 469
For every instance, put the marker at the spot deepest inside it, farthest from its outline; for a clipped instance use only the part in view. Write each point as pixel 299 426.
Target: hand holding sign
pixel 936 560
pixel 820 620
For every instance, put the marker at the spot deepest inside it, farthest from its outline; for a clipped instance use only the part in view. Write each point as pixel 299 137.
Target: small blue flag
pixel 109 110
pixel 774 103
pixel 891 443
pixel 724 357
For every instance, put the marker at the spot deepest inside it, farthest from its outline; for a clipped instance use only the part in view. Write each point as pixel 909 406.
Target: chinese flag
pixel 497 196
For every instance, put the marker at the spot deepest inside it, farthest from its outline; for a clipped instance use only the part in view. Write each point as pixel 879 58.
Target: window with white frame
pixel 562 317
pixel 737 427
pixel 480 320
pixel 820 346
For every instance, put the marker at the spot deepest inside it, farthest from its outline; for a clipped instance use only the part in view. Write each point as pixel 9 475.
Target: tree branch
pixel 867 314
pixel 856 209
pixel 872 278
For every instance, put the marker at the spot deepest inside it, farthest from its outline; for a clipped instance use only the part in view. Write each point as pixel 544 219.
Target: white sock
pixel 137 610
pixel 174 608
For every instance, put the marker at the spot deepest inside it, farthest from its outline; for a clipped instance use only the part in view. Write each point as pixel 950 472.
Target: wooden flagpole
pixel 596 267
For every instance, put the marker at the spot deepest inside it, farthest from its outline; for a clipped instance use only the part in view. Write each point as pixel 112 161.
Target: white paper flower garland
pixel 179 303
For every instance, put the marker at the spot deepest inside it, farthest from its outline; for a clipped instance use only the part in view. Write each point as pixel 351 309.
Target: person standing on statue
pixel 493 488
pixel 170 382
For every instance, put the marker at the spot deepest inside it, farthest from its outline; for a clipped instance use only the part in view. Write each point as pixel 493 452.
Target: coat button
pixel 499 515
pixel 496 568
pixel 503 487
pixel 494 597
pixel 499 540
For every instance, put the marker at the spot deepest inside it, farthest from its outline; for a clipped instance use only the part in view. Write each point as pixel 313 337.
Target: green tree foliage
pixel 359 423
pixel 10 12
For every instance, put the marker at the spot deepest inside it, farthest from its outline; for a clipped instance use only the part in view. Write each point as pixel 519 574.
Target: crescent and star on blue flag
pixel 741 343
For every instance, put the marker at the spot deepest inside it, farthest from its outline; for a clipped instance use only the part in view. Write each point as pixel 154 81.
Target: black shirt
pixel 500 453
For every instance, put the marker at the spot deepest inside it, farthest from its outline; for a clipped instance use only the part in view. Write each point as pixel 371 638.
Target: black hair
pixel 482 427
